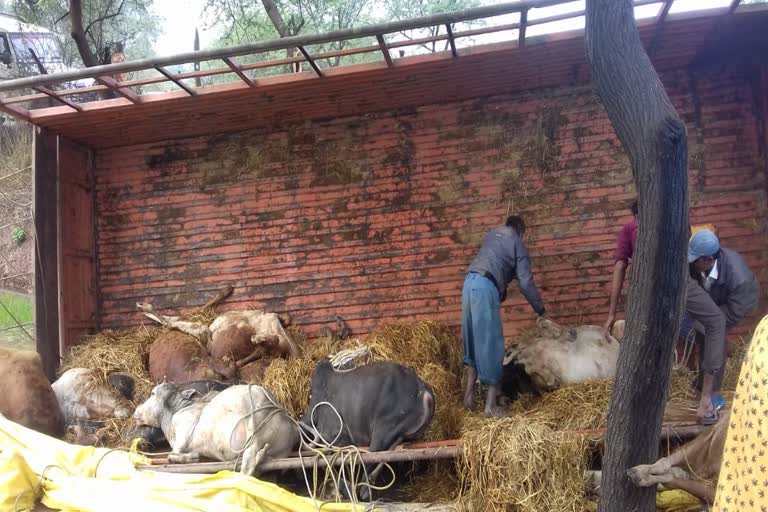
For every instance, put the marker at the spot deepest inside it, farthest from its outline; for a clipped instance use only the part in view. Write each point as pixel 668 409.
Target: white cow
pixel 83 397
pixel 556 356
pixel 242 420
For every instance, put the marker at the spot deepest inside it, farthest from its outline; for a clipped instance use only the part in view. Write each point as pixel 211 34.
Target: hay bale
pixel 448 418
pixel 521 465
pixel 581 406
pixel 117 351
pixel 417 345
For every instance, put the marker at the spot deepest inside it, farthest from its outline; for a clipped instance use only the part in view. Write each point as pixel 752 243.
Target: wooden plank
pixel 19 112
pixel 55 96
pixel 384 49
pixel 401 455
pixel 311 61
pixel 239 72
pixel 45 212
pixel 451 41
pixel 175 80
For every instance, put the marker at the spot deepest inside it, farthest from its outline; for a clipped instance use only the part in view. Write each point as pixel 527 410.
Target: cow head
pixel 165 399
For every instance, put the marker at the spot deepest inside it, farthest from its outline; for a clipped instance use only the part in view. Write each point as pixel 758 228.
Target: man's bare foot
pixel 493 411
pixel 706 413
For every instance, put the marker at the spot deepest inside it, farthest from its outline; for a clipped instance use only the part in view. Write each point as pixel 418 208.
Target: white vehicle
pixel 22 45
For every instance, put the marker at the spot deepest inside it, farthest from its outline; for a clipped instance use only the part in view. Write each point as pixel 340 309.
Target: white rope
pixel 349 457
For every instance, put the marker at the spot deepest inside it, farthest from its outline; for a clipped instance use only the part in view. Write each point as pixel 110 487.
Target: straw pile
pixel 581 406
pixel 521 465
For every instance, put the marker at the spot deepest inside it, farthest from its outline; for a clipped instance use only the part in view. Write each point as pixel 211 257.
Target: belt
pixel 488 276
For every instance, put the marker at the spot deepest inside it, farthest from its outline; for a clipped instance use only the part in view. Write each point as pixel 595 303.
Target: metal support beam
pixel 52 94
pixel 114 86
pixel 523 28
pixel 384 49
pixel 13 110
pixel 239 72
pixel 311 61
pixel 734 5
pixel 167 74
pixel 451 40
pixel 664 11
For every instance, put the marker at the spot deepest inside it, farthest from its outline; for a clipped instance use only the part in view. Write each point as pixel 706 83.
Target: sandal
pixel 718 402
pixel 710 419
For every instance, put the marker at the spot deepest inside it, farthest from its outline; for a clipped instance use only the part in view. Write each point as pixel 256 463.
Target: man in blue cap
pixel 721 292
pixel 503 257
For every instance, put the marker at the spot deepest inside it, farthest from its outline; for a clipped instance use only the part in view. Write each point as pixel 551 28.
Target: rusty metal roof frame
pixel 103 75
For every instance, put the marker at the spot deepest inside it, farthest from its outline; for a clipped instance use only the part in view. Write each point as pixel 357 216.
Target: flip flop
pixel 718 402
pixel 710 419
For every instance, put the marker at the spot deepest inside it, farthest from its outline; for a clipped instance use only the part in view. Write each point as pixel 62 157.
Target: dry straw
pixel 521 465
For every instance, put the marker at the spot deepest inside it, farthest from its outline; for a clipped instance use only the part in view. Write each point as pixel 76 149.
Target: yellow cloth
pixel 79 478
pixel 676 500
pixel 743 481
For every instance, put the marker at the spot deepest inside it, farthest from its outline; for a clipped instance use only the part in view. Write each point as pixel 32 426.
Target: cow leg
pixel 252 458
pixel 387 442
pixel 196 329
pixel 183 458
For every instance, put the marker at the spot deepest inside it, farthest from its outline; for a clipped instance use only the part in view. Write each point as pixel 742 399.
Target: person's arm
pixel 525 279
pixel 619 271
pixel 705 492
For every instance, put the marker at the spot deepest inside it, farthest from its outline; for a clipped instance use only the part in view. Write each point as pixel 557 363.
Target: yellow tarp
pixel 81 478
pixel 676 500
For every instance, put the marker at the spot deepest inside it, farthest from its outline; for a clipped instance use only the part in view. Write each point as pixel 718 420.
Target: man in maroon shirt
pixel 625 248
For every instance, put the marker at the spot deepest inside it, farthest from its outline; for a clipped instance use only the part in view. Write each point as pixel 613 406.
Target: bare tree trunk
pixel 78 34
pixel 282 28
pixel 655 139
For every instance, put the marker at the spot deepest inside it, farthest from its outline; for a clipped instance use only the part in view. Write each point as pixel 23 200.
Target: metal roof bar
pixel 384 49
pixel 52 94
pixel 19 112
pixel 175 80
pixel 289 42
pixel 664 11
pixel 239 72
pixel 309 59
pixel 114 86
pixel 523 27
pixel 734 6
pixel 451 40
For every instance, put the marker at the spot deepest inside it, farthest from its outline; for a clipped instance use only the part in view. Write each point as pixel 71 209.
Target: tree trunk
pixel 282 28
pixel 655 139
pixel 78 34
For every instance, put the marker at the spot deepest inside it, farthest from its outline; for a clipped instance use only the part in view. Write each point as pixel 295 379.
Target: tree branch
pixel 78 34
pixel 277 19
pixel 105 18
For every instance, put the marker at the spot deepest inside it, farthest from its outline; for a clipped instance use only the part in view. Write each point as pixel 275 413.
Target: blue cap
pixel 703 243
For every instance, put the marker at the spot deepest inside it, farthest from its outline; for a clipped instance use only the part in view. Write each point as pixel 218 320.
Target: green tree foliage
pixel 130 22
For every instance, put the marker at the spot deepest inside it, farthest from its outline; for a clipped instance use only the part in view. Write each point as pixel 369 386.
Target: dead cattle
pixel 381 405
pixel 556 356
pixel 153 437
pixel 26 395
pixel 236 336
pixel 84 398
pixel 242 420
pixel 180 358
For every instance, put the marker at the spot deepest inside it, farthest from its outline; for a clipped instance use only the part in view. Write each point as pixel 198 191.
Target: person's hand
pixel 608 326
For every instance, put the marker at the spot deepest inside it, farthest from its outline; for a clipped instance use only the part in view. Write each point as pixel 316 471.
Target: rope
pixel 349 457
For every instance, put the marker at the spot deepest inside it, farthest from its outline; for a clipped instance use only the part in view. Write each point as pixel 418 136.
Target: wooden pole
pixel 45 208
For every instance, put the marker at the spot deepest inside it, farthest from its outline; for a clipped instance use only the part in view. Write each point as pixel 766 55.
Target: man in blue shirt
pixel 503 258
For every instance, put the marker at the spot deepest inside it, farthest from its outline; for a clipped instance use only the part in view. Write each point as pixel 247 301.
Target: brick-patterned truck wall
pixel 376 217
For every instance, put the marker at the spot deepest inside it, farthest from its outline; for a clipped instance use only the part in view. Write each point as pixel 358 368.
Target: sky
pixel 182 16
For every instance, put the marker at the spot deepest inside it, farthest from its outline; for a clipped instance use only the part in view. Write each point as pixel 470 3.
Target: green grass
pixel 19 307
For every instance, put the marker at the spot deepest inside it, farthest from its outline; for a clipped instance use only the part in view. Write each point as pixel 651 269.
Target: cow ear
pixel 187 394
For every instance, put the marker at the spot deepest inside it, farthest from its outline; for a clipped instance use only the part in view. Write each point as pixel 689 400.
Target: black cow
pixel 382 405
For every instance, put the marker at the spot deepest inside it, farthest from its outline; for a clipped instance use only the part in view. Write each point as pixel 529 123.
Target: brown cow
pixel 236 336
pixel 26 396
pixel 180 358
